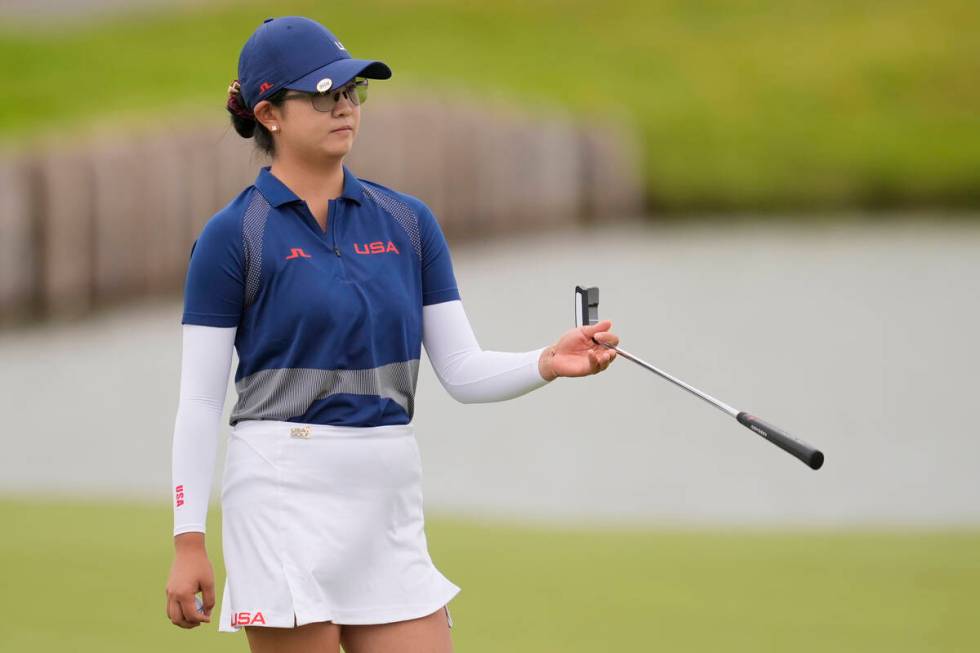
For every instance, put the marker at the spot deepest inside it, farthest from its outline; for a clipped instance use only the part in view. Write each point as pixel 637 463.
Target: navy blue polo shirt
pixel 329 322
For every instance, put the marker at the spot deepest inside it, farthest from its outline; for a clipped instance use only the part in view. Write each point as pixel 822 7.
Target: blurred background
pixel 780 202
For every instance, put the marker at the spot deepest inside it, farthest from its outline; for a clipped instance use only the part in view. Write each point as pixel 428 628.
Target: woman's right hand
pixel 190 573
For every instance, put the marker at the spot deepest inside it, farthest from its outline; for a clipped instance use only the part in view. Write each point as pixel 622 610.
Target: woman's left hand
pixel 576 354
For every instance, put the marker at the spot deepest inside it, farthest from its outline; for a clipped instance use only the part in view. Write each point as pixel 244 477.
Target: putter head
pixel 586 305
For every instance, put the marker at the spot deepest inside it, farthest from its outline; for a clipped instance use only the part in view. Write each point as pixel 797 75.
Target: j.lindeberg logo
pixel 300 432
pixel 297 252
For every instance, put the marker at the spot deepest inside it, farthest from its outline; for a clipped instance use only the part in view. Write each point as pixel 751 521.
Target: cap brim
pixel 340 72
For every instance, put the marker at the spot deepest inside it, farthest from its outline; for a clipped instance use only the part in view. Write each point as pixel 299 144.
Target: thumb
pixel 592 329
pixel 207 594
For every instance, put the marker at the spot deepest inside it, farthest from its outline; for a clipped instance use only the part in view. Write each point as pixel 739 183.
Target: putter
pixel 587 313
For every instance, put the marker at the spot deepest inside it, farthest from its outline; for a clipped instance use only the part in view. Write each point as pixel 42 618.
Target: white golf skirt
pixel 325 523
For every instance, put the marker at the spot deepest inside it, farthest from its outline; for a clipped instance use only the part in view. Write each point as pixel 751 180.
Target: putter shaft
pixel 714 402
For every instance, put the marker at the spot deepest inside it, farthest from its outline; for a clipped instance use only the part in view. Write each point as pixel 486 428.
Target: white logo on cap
pixel 324 84
pixel 339 45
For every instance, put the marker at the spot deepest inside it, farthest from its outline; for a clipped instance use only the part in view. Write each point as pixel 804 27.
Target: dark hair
pixel 247 126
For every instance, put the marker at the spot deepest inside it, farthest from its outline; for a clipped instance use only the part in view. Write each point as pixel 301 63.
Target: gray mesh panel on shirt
pixel 283 393
pixel 401 212
pixel 253 230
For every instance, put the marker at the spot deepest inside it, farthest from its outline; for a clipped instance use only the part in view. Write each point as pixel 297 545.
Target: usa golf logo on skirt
pixel 247 618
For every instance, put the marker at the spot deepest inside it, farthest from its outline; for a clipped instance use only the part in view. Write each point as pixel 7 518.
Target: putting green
pixel 91 577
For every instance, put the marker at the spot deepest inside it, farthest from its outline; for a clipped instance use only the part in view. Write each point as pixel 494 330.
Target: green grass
pixel 744 104
pixel 741 104
pixel 91 577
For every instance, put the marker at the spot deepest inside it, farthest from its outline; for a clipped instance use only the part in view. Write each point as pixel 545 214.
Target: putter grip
pixel 812 457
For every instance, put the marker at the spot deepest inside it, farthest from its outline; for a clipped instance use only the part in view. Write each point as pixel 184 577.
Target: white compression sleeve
pixel 468 373
pixel 204 368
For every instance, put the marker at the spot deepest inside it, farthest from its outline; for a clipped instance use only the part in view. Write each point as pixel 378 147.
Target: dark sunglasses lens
pixel 356 93
pixel 323 101
pixel 360 89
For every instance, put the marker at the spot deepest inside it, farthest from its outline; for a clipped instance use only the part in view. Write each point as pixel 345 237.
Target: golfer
pixel 327 286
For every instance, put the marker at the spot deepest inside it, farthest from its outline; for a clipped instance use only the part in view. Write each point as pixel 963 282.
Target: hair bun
pixel 235 104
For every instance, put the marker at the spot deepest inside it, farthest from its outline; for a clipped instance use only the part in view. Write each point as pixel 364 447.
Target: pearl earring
pixel 275 128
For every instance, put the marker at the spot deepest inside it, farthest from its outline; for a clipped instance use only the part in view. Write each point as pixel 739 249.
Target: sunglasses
pixel 355 91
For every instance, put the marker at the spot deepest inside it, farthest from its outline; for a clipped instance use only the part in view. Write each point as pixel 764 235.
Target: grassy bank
pixel 751 104
pixel 91 577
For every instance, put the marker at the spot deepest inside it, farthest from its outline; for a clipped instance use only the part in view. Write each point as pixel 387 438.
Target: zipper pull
pixel 336 250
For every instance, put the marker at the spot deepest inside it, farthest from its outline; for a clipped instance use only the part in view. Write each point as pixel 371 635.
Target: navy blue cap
pixel 301 54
